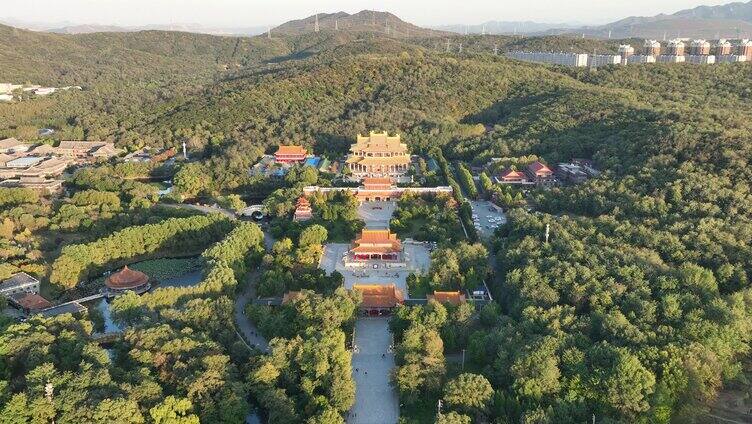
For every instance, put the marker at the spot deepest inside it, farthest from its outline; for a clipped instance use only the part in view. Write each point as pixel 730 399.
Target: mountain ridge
pixel 732 20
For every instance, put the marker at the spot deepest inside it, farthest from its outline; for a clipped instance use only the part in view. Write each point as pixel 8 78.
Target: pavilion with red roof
pixel 127 280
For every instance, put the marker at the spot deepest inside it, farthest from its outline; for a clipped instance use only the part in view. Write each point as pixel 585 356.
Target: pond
pixel 168 272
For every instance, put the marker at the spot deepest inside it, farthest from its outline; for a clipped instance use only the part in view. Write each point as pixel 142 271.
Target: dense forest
pixel 638 309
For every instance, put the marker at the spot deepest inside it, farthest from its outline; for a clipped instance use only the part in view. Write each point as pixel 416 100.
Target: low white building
pixel 19 283
pixel 595 61
pixel 6 97
pixel 670 58
pixel 640 58
pixel 565 59
pixel 730 58
pixel 700 59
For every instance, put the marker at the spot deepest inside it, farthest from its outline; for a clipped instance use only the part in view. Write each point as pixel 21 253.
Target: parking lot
pixel 487 217
pixel 377 214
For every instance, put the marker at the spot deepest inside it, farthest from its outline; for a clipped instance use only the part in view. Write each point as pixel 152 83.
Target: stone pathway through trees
pixel 376 401
pixel 249 331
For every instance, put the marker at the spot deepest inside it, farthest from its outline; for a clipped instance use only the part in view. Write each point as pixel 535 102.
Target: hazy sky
pixel 255 12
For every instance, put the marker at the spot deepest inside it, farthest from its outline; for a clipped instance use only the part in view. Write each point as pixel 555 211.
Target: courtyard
pixel 417 260
pixel 377 215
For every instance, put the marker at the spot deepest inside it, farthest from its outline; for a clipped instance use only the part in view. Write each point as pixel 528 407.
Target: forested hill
pixel 87 59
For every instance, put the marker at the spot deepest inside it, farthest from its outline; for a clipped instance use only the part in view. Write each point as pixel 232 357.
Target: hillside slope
pixel 46 58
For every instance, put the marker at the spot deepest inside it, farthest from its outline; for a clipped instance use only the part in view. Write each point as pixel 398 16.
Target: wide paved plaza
pixel 377 215
pixel 376 400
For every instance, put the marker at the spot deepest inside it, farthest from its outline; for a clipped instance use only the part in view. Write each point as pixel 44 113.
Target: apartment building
pixel 699 48
pixel 652 48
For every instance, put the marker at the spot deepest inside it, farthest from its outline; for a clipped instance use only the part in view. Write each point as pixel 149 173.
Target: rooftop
pixel 380 296
pixel 291 150
pixel 126 279
pixel 20 279
pixel 453 298
pixel 537 166
pixel 511 173
pixel 377 181
pixel 379 142
pixel 377 241
pixel 8 143
pixel 31 301
pixel 24 162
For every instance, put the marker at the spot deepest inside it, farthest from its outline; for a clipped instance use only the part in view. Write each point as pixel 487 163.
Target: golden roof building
pixel 378 155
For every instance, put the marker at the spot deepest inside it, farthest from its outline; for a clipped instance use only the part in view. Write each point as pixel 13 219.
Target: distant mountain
pixel 733 20
pixel 364 21
pixel 192 28
pixel 78 28
pixel 504 27
pixel 87 29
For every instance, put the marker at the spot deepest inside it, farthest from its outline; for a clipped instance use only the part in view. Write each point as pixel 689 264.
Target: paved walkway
pixel 244 325
pixel 376 400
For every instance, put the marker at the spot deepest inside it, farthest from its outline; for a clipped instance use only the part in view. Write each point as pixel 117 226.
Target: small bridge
pixel 255 211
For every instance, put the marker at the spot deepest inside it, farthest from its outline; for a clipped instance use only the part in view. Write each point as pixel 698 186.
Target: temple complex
pixel 378 155
pixel 127 280
pixel 376 245
pixel 303 210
